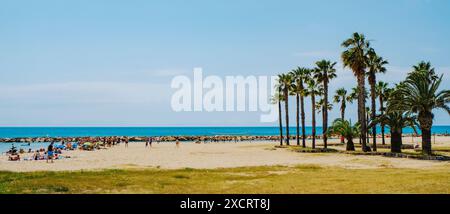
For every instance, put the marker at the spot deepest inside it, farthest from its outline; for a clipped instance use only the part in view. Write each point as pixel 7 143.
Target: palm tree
pixel 376 65
pixel 313 90
pixel 356 57
pixel 278 98
pixel 419 94
pixel 286 82
pixel 323 74
pixel 300 76
pixel 341 97
pixel 396 120
pixel 382 91
pixel 345 128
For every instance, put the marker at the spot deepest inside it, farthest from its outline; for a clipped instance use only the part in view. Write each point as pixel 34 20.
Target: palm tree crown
pixel 355 57
pixel 376 64
pixel 341 97
pixel 325 71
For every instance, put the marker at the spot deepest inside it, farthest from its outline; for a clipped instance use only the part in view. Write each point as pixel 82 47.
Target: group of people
pixel 149 142
pixel 110 141
pixel 39 154
pixel 54 150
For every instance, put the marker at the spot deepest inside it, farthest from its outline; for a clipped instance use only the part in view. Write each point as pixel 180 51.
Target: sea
pixel 13 132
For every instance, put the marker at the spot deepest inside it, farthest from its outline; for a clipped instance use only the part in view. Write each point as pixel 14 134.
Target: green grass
pixel 274 179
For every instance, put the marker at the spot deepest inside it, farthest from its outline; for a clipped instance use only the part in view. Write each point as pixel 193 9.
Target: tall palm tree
pixel 345 128
pixel 300 76
pixel 323 74
pixel 278 98
pixel 286 82
pixel 376 65
pixel 419 94
pixel 382 91
pixel 313 90
pixel 341 97
pixel 356 57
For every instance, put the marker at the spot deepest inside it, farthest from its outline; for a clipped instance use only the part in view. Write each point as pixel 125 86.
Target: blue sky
pixel 96 63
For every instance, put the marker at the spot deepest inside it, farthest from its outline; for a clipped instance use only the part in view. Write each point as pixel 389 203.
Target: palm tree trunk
pixel 382 124
pixel 426 122
pixel 368 130
pixel 313 103
pixel 426 141
pixel 298 119
pixel 359 120
pixel 396 140
pixel 325 115
pixel 280 120
pixel 281 123
pixel 286 108
pixel 350 145
pixel 362 110
pixel 343 115
pixel 373 114
pixel 302 107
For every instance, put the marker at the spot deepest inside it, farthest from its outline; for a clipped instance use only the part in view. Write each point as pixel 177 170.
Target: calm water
pixel 11 132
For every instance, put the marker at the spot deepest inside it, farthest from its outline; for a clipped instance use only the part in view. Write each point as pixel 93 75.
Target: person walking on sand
pixel 50 152
pixel 150 141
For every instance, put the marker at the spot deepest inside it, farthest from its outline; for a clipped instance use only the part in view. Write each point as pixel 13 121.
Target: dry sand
pixel 211 155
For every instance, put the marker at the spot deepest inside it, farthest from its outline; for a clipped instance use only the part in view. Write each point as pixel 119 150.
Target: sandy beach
pixel 213 155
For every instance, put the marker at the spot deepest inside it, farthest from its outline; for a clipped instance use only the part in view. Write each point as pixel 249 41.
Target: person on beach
pixel 178 143
pixel 150 141
pixel 126 142
pixel 36 155
pixel 50 152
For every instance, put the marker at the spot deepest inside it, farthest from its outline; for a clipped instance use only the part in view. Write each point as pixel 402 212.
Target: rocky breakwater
pixel 221 138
